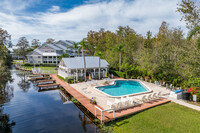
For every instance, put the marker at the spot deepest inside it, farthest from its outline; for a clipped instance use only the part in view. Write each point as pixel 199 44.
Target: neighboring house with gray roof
pixel 49 53
pixel 74 66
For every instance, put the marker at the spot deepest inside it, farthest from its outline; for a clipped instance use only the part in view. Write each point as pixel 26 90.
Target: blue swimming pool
pixel 123 87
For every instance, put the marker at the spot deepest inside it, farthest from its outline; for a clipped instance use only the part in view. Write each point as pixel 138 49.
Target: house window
pixel 39 61
pixel 54 62
pixel 50 61
pixel 39 56
pixel 45 61
pixel 52 50
pixel 46 51
pixel 31 61
pixel 31 56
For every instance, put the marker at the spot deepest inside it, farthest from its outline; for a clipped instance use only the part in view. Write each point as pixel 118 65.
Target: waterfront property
pixel 49 53
pixel 74 66
pixel 83 92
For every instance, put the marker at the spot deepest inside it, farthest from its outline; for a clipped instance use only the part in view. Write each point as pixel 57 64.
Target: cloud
pixel 12 6
pixel 73 24
pixel 54 9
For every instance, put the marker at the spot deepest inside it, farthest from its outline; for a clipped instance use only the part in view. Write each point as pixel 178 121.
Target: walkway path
pixel 185 104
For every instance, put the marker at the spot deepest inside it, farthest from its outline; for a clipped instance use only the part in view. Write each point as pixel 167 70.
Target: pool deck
pixel 108 116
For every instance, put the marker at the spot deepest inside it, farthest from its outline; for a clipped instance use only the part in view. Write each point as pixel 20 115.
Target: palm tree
pixel 195 31
pixel 99 54
pixel 75 47
pixel 83 45
pixel 119 49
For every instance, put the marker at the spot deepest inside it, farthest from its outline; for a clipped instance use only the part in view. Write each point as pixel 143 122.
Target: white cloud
pixel 141 15
pixel 54 9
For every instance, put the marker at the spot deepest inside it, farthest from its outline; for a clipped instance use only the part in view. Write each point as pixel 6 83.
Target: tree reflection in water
pixel 6 93
pixel 24 84
pixel 5 124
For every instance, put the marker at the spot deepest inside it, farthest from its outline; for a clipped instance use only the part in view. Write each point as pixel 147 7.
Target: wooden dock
pixel 48 86
pixel 48 81
pixel 108 116
pixel 42 78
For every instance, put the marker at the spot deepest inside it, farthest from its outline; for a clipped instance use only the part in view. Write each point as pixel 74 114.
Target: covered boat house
pixel 74 66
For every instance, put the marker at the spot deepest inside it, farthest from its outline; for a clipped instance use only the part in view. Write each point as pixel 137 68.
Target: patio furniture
pixel 154 96
pixel 149 97
pixel 112 105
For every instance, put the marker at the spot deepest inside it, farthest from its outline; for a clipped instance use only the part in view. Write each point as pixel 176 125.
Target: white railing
pixel 102 112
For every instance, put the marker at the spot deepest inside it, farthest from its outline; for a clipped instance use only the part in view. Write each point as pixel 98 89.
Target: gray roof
pixel 78 62
pixel 35 52
pixel 53 46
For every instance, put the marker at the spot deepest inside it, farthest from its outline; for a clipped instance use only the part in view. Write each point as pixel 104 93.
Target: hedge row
pixel 118 74
pixel 41 64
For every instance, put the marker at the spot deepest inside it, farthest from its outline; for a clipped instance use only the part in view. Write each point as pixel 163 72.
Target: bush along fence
pixel 194 91
pixel 41 65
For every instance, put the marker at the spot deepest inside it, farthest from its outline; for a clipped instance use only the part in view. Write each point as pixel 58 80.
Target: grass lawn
pixel 167 118
pixel 49 70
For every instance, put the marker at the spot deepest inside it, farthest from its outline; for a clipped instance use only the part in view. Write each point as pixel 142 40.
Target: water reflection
pixel 5 124
pixel 23 84
pixel 6 92
pixel 42 111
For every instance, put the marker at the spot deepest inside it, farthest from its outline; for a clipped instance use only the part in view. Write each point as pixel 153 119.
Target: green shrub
pixel 81 79
pixel 41 64
pixel 74 100
pixel 48 65
pixel 61 78
pixel 96 121
pixel 118 74
pixel 27 64
pixel 69 80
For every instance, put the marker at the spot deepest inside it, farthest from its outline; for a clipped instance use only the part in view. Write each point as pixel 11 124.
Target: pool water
pixel 123 87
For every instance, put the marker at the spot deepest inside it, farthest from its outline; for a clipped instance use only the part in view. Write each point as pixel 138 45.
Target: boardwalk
pixel 108 116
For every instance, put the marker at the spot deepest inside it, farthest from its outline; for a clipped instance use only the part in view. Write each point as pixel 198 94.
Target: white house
pixel 49 53
pixel 74 66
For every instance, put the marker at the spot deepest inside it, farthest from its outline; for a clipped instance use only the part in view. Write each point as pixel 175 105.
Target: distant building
pixel 49 53
pixel 12 53
pixel 74 66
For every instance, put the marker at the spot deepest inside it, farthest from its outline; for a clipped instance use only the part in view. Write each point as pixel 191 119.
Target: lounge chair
pixel 149 97
pixel 125 102
pixel 141 100
pixel 112 105
pixel 159 94
pixel 117 100
pixel 163 84
pixel 154 96
pixel 130 99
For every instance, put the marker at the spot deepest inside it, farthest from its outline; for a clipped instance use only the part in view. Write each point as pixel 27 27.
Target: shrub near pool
pixel 167 118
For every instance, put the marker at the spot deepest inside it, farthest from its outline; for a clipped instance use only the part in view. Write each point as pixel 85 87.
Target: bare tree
pixel 23 45
pixel 4 37
pixel 50 41
pixel 35 43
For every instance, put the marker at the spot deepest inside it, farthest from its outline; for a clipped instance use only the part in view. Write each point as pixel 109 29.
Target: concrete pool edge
pixel 113 83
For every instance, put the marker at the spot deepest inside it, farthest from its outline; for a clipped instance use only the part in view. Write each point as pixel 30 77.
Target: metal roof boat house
pixel 74 66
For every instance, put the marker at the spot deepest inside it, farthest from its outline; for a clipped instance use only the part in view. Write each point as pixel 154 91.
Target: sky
pixel 73 19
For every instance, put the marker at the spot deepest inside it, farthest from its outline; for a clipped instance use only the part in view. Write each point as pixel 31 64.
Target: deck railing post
pixel 95 111
pixel 114 114
pixel 101 116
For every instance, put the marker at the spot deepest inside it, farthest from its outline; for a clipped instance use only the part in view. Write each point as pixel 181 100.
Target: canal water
pixel 24 109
